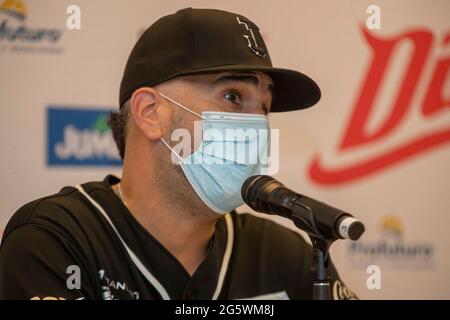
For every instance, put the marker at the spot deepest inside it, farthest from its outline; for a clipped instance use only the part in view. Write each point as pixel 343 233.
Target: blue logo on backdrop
pixel 80 137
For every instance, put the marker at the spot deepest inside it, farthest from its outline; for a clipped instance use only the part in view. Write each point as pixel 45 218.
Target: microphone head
pixel 248 188
pixel 265 194
pixel 252 188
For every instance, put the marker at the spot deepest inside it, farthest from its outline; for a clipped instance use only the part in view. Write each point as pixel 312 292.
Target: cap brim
pixel 293 90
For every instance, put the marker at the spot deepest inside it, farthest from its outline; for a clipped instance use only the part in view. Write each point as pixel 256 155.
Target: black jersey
pixel 87 232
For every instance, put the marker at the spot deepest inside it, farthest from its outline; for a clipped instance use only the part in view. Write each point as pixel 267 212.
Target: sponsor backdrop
pixel 376 145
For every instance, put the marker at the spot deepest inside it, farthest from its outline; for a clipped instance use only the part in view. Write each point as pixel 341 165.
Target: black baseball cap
pixel 195 41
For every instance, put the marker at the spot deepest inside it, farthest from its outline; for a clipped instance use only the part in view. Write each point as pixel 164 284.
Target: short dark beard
pixel 173 181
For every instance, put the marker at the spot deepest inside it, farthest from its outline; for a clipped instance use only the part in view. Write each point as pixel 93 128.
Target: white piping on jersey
pixel 146 273
pixel 226 256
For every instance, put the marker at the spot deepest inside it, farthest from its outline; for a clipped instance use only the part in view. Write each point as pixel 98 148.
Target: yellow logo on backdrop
pixel 17 36
pixel 392 224
pixel 14 7
pixel 391 249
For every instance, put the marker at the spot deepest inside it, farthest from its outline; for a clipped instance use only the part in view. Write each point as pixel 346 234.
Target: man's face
pixel 240 92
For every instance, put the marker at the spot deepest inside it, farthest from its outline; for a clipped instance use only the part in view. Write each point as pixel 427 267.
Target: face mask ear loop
pixel 181 106
pixel 173 152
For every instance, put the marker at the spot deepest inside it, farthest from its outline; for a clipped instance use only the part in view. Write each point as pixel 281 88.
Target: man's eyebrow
pixel 247 78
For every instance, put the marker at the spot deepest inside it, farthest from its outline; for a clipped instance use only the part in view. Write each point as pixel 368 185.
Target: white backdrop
pixel 398 183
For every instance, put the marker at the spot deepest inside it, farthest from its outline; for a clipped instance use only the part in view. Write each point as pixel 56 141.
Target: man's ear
pixel 146 111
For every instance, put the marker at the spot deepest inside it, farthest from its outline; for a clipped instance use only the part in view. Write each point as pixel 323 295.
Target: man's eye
pixel 233 97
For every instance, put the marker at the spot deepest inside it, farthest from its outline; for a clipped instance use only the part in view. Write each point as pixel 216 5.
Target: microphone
pixel 268 195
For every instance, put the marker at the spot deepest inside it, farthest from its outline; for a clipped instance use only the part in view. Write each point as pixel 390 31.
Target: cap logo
pixel 252 44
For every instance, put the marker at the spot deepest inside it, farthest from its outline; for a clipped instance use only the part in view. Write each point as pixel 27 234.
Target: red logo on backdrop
pixel 433 104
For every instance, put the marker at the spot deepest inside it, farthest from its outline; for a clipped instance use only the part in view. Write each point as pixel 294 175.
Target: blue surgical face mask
pixel 234 147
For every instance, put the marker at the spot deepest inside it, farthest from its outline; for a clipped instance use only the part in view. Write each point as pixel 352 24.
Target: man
pixel 168 229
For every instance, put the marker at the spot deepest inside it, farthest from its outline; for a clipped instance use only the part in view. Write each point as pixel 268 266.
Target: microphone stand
pixel 320 267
